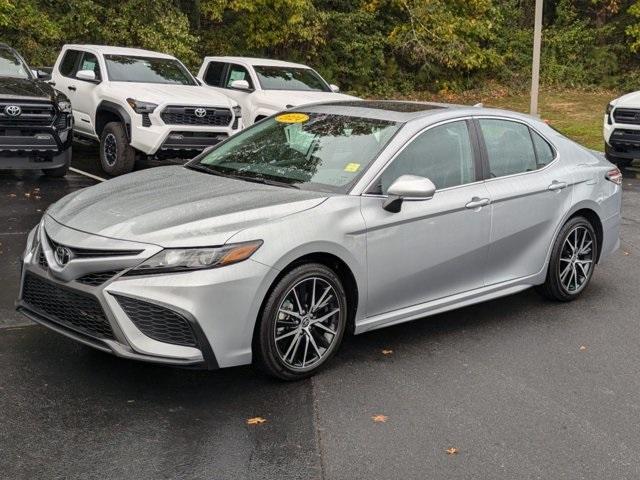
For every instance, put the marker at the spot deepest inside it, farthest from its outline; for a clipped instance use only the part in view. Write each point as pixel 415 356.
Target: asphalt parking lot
pixel 520 387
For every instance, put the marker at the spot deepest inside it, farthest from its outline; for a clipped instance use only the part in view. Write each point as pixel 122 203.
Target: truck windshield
pixel 288 78
pixel 314 151
pixel 126 68
pixel 11 65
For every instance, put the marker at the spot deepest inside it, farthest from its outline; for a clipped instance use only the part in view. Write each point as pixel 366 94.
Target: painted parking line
pixel 87 174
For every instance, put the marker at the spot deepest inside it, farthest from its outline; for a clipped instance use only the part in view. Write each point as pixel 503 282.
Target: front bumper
pixel 220 305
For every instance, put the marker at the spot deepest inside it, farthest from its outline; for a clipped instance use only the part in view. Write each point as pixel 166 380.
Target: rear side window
pixel 544 152
pixel 213 75
pixel 69 61
pixel 90 62
pixel 509 147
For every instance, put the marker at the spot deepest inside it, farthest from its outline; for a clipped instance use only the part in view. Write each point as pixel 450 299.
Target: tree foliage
pixel 366 46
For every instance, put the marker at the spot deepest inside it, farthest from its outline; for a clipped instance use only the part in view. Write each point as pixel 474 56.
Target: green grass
pixel 577 114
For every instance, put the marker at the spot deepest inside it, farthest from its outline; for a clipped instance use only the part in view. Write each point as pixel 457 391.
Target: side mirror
pixel 240 85
pixel 41 75
pixel 88 75
pixel 334 88
pixel 408 187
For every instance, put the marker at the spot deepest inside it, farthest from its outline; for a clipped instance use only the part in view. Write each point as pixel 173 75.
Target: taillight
pixel 614 175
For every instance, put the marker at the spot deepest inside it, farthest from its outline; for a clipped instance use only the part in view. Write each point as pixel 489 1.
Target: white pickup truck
pixel 622 129
pixel 263 87
pixel 137 101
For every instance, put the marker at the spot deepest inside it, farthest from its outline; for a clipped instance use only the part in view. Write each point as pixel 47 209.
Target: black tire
pixel 117 157
pixel 62 170
pixel 555 287
pixel 268 352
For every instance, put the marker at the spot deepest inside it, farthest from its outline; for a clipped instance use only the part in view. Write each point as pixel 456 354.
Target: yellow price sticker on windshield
pixel 352 167
pixel 292 118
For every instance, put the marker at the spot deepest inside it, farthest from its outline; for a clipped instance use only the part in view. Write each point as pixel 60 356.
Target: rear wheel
pixel 572 261
pixel 302 323
pixel 117 157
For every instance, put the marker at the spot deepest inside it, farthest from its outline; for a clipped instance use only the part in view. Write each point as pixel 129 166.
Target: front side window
pixel 213 75
pixel 238 72
pixel 69 61
pixel 90 62
pixel 442 154
pixel 11 65
pixel 127 68
pixel 317 151
pixel 509 147
pixel 290 78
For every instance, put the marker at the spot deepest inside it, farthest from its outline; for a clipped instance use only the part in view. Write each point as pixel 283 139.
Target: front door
pixel 431 248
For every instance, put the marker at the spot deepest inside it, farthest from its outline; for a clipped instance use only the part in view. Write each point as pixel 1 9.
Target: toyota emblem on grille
pixel 62 255
pixel 200 112
pixel 12 110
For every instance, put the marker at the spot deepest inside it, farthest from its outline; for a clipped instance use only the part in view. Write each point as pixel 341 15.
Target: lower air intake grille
pixel 42 260
pixel 158 322
pixel 98 278
pixel 68 308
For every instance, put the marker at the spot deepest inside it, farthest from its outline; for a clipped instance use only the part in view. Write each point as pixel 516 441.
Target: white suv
pixel 137 100
pixel 263 87
pixel 622 129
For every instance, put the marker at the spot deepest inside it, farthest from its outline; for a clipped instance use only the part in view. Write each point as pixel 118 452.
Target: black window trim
pixel 485 154
pixel 477 158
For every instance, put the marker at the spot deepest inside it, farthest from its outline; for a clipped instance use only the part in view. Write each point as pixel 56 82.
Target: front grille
pixel 158 322
pixel 219 117
pixel 61 122
pixel 624 140
pixel 629 116
pixel 92 253
pixel 74 310
pixel 98 278
pixel 33 113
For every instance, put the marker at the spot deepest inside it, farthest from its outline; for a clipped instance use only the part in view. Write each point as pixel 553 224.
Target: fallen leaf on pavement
pixel 256 420
pixel 582 348
pixel 452 450
pixel 387 352
pixel 626 253
pixel 379 418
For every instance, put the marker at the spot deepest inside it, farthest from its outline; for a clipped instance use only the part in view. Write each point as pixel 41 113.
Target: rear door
pixel 530 193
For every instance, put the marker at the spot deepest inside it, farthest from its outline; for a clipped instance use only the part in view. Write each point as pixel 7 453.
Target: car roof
pixel 405 111
pixel 112 50
pixel 267 62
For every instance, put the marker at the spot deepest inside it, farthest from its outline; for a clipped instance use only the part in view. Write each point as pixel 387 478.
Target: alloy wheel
pixel 110 149
pixel 576 259
pixel 307 323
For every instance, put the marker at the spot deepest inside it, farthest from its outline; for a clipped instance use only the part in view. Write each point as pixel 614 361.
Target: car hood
pixel 171 94
pixel 177 207
pixel 25 88
pixel 280 99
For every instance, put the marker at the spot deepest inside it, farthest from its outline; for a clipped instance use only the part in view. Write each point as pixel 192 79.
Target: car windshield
pixel 125 68
pixel 288 78
pixel 315 151
pixel 11 65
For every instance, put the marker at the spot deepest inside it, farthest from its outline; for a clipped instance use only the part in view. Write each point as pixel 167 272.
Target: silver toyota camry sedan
pixel 331 219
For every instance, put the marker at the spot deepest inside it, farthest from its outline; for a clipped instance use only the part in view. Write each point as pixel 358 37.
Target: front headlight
pixel 188 259
pixel 141 107
pixel 64 106
pixel 237 111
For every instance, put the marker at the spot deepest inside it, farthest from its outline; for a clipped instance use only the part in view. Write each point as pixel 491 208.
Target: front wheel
pixel 117 157
pixel 572 261
pixel 302 323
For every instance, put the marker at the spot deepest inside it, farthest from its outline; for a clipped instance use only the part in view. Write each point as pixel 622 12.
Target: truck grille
pixel 32 113
pixel 219 117
pixel 158 322
pixel 629 116
pixel 68 308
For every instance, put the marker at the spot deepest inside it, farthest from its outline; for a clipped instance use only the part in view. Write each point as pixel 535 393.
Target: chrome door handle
pixel 478 202
pixel 555 185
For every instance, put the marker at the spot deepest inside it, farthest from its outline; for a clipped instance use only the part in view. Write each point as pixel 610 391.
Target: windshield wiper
pixel 264 181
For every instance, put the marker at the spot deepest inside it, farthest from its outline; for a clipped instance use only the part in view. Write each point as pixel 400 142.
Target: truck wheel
pixel 62 170
pixel 117 157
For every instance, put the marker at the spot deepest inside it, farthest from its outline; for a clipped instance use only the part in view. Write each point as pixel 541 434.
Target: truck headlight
pixel 140 106
pixel 188 259
pixel 64 106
